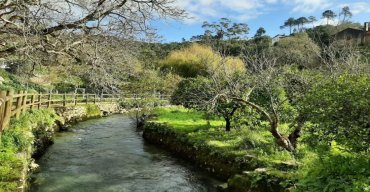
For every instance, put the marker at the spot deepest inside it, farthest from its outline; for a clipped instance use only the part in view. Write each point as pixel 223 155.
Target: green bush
pixel 339 111
pixel 297 50
pixel 335 171
pixel 192 92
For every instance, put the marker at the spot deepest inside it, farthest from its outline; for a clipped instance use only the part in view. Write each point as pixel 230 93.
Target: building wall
pixel 367 38
pixel 366 35
pixel 350 36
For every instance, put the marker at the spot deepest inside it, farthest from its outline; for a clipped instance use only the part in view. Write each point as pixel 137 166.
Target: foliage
pixel 224 28
pixel 192 93
pixel 328 15
pixel 339 110
pixel 199 60
pixel 152 82
pixel 245 148
pixel 319 169
pixel 297 50
pixel 12 82
pixel 20 137
pixel 335 170
pixel 321 35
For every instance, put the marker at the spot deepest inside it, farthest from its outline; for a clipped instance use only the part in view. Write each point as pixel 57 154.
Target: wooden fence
pixel 14 104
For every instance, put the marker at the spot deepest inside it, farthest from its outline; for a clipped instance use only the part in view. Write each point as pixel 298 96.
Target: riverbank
pixel 28 137
pixel 236 156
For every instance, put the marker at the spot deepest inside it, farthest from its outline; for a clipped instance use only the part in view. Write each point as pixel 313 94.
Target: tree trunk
pixel 293 137
pixel 228 124
pixel 282 141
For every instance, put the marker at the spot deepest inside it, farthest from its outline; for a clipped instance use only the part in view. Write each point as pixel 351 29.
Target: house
pixel 355 36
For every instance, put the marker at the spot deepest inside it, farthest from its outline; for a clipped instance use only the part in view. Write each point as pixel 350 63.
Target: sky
pixel 269 14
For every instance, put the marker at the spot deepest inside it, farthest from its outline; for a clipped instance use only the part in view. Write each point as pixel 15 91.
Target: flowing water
pixel 109 155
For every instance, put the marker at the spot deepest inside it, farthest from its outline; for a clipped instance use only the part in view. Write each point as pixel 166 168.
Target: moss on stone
pixel 92 111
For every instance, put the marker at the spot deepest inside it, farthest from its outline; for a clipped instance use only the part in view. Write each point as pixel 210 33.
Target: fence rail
pixel 14 104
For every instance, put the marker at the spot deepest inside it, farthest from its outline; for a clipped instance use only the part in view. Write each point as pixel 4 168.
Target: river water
pixel 108 154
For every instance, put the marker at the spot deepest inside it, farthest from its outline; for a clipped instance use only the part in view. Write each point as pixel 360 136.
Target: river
pixel 108 154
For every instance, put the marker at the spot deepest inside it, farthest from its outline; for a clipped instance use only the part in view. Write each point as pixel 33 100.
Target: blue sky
pixel 269 14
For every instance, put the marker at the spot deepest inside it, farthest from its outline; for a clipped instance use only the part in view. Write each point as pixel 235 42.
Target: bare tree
pixel 27 26
pixel 342 57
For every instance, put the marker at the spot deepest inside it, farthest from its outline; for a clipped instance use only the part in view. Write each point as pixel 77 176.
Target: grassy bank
pixel 250 159
pixel 29 136
pixel 242 149
pixel 19 142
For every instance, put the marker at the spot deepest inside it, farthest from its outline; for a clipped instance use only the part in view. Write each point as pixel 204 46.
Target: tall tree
pixel 225 28
pixel 328 15
pixel 347 14
pixel 289 23
pixel 260 32
pixel 301 22
pixel 312 20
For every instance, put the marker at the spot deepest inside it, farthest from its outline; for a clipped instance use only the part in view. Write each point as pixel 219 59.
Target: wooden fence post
pixel 49 100
pixel 2 110
pixel 75 99
pixel 32 101
pixel 8 109
pixel 19 104
pixel 64 99
pixel 94 98
pixel 39 100
pixel 24 102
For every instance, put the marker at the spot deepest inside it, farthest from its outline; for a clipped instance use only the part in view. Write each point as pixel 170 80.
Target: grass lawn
pixel 211 134
pixel 185 120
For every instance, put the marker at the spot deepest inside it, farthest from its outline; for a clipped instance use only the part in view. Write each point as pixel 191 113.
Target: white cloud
pixel 244 10
pixel 241 10
pixel 357 7
pixel 309 6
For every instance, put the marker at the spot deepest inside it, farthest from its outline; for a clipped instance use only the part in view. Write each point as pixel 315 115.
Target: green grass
pixel 239 142
pixel 185 120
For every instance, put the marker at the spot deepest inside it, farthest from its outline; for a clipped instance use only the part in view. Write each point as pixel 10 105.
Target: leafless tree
pixel 340 56
pixel 97 36
pixel 57 26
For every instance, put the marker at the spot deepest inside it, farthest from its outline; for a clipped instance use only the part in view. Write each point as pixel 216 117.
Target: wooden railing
pixel 14 104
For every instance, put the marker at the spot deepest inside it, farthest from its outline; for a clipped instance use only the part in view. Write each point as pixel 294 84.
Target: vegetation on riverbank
pixel 19 142
pixel 261 164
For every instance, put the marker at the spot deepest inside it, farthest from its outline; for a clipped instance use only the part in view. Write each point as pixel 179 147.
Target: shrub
pixel 200 60
pixel 21 137
pixel 335 170
pixel 297 50
pixel 339 110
